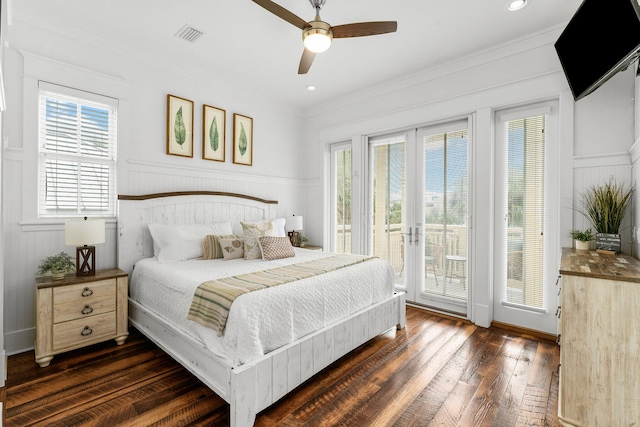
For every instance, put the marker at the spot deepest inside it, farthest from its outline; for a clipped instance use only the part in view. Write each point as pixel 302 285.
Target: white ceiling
pixel 247 45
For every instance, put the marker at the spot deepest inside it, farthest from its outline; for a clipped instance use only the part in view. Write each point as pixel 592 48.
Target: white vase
pixel 583 246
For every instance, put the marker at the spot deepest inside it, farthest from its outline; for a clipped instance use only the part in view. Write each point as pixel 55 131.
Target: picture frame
pixel 179 126
pixel 242 140
pixel 213 133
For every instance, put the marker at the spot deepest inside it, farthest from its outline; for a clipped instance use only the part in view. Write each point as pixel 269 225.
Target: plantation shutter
pixel 77 144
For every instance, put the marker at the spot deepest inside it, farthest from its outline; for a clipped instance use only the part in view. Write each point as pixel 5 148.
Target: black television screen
pixel 602 37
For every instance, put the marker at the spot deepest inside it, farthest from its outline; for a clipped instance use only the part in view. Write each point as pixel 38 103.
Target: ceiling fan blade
pixel 361 29
pixel 306 61
pixel 283 13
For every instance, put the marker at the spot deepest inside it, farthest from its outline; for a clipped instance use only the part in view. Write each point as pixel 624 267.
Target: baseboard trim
pixel 524 331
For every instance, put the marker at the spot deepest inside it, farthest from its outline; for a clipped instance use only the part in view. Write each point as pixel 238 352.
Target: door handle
pixel 417 235
pixel 410 234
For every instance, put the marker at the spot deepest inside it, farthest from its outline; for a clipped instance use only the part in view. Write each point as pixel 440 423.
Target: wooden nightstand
pixel 312 247
pixel 78 311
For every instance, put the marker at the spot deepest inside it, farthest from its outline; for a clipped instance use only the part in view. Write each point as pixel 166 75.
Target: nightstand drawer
pixel 82 309
pixel 84 292
pixel 83 331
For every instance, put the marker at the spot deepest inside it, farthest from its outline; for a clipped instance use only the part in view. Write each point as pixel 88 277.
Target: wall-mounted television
pixel 602 38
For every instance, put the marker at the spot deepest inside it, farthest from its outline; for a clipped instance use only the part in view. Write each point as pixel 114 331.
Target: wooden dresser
pixel 600 340
pixel 78 311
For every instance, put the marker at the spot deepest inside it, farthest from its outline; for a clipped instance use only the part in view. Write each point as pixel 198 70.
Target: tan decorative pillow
pixel 231 247
pixel 211 247
pixel 251 233
pixel 275 248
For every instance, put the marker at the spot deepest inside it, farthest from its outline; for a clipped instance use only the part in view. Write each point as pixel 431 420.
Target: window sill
pixel 57 224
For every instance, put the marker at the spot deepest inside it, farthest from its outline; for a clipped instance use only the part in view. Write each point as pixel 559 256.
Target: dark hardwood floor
pixel 438 371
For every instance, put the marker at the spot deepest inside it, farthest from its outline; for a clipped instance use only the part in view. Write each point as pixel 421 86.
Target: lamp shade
pixel 295 223
pixel 86 231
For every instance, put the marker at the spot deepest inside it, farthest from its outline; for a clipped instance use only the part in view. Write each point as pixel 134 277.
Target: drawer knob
pixel 86 331
pixel 86 292
pixel 87 309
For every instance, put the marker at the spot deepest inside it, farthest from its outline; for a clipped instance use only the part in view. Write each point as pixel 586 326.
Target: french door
pixel 526 221
pixel 419 210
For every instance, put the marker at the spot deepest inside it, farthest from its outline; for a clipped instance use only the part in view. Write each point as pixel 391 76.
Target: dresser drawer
pixel 82 332
pixel 83 300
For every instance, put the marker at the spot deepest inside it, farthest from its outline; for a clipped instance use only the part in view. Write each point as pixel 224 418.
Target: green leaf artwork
pixel 213 135
pixel 242 144
pixel 179 129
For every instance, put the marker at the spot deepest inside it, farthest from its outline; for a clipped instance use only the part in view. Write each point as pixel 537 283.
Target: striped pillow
pixel 275 247
pixel 211 247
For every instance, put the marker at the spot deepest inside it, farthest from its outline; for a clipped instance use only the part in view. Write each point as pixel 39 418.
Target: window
pixel 77 143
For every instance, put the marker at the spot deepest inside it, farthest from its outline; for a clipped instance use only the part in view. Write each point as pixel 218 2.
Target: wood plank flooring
pixel 438 371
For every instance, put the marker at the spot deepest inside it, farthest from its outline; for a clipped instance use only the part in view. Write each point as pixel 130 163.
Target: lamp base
pixel 86 261
pixel 294 236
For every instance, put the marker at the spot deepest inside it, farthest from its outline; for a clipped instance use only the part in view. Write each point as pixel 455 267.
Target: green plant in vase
pixel 57 265
pixel 605 206
pixel 583 238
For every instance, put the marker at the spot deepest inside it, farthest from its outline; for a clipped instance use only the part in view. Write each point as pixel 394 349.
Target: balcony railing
pixel 439 243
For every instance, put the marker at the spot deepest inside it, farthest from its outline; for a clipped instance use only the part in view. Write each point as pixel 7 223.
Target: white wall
pixel 3 354
pixel 66 57
pixel 515 74
pixel 634 153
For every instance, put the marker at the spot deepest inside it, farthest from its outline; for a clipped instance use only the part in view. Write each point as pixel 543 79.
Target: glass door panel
pixel 341 239
pixel 525 202
pixel 445 283
pixel 387 172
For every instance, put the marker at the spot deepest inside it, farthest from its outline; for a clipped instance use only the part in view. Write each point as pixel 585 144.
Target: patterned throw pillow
pixel 231 247
pixel 251 233
pixel 275 248
pixel 211 247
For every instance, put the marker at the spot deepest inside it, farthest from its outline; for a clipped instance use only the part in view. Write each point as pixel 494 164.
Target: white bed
pixel 259 359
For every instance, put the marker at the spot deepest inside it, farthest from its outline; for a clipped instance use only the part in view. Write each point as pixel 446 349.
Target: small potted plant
pixel 57 265
pixel 303 241
pixel 583 238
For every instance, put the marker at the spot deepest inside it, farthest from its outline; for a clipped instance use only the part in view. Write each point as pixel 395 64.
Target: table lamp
pixel 83 233
pixel 294 225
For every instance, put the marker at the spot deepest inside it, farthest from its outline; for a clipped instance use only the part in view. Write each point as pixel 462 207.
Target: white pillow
pixel 280 223
pixel 180 242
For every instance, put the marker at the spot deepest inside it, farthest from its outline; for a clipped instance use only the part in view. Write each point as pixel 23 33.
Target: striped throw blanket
pixel 212 299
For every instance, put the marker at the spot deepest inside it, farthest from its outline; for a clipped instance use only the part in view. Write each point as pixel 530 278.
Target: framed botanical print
pixel 242 140
pixel 179 126
pixel 213 133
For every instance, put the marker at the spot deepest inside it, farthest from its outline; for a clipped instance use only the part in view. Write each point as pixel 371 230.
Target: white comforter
pixel 265 320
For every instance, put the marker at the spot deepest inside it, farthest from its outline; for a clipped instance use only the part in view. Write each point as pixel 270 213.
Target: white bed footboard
pixel 255 386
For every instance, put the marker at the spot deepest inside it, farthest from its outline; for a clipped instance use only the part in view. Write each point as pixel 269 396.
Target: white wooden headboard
pixel 135 213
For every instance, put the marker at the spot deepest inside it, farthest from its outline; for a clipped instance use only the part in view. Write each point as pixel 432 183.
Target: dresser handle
pixel 86 292
pixel 86 331
pixel 87 309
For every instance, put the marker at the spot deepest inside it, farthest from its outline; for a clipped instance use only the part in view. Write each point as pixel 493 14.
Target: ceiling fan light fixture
pixel 318 37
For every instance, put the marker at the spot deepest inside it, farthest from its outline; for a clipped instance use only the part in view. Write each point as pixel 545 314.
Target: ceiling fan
pixel 317 34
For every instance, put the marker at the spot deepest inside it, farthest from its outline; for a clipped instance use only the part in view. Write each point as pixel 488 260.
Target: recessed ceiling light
pixel 311 88
pixel 517 5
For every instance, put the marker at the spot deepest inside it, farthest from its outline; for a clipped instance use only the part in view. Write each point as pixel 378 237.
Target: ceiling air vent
pixel 189 33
